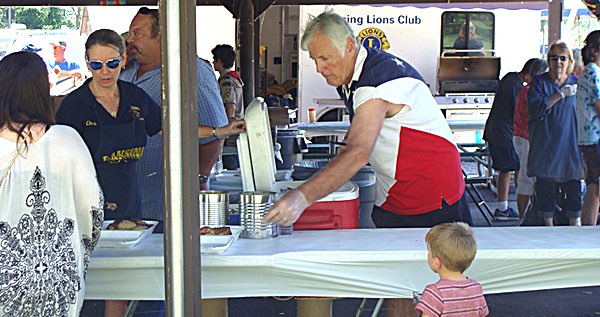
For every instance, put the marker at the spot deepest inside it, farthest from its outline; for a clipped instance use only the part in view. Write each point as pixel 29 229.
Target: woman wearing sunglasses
pixel 554 157
pixel 114 117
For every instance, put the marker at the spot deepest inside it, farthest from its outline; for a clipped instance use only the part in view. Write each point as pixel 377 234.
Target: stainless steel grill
pixel 466 85
pixel 466 107
pixel 468 74
pixel 465 101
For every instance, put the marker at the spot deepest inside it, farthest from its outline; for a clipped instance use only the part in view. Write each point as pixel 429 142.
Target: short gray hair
pixel 334 26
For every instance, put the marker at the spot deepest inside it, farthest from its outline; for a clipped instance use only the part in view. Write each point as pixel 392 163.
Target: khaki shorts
pixel 524 182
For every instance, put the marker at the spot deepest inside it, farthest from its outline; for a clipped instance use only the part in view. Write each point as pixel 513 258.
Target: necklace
pixel 110 103
pixel 12 162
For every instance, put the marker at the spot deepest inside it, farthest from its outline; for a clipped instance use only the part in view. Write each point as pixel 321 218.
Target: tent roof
pixel 261 5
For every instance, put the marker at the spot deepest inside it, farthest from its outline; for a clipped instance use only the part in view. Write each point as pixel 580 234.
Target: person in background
pixel 451 248
pixel 230 82
pixel 59 67
pixel 51 201
pixel 396 126
pixel 474 43
pixel 520 140
pixel 498 133
pixel 588 125
pixel 144 71
pixel 554 157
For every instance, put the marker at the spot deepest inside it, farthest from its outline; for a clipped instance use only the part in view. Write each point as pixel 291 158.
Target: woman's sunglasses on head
pixel 111 63
pixel 562 58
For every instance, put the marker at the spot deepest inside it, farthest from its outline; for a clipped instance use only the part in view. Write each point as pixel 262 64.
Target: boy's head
pixel 453 244
pixel 225 54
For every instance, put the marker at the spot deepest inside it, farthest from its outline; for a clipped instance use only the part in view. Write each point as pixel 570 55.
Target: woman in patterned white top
pixel 588 125
pixel 51 201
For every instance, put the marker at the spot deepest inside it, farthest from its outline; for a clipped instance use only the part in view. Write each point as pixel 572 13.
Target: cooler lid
pixel 255 149
pixel 348 191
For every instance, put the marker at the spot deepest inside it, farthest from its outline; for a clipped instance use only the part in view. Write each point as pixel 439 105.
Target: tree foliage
pixel 49 18
pixel 3 17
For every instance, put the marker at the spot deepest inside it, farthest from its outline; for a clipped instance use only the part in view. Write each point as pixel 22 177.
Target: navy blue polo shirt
pixel 116 144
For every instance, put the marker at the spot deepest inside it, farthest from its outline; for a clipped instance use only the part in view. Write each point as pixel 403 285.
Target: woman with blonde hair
pixel 554 157
pixel 468 40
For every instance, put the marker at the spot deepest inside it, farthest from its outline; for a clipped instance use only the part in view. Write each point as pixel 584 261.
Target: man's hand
pixel 287 209
pixel 568 90
pixel 233 128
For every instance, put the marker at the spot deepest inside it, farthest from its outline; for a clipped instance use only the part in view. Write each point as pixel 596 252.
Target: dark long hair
pixel 592 42
pixel 24 93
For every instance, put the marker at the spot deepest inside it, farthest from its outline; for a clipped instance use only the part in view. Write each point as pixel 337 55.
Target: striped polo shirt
pixel 453 299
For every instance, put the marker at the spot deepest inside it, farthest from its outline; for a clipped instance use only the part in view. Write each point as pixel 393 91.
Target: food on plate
pixel 135 224
pixel 220 231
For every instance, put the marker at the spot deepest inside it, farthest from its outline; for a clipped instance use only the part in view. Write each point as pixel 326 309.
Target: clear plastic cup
pixel 285 230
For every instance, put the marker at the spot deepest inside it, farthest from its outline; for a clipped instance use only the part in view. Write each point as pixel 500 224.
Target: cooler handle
pixel 329 224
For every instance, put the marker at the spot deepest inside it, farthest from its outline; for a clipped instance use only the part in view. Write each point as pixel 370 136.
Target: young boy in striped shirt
pixel 451 249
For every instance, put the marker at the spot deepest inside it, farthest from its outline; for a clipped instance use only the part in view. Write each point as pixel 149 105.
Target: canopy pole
pixel 247 58
pixel 179 110
pixel 554 20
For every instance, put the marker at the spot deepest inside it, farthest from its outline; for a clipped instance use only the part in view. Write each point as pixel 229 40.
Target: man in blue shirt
pixel 144 71
pixel 60 67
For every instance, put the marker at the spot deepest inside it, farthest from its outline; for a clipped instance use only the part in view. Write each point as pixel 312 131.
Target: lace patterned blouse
pixel 50 218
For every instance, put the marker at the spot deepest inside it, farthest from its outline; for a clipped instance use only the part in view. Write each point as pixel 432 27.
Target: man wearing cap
pixel 60 67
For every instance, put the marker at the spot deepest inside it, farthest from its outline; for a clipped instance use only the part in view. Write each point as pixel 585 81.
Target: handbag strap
pixel 12 162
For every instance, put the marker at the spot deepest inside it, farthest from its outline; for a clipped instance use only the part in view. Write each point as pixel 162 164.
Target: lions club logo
pixel 373 38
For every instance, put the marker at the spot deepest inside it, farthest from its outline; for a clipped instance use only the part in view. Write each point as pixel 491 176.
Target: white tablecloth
pixel 370 263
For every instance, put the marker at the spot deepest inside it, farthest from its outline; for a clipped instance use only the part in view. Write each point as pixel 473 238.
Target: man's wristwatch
pixel 214 133
pixel 202 178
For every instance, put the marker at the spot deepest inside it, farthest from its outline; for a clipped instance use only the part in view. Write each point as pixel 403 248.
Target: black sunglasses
pixel 111 63
pixel 556 57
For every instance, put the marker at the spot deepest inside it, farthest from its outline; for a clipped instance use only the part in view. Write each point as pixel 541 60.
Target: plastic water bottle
pixel 285 230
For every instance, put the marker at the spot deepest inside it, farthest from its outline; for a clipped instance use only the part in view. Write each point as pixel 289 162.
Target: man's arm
pixel 210 113
pixel 360 141
pixel 230 110
pixel 208 154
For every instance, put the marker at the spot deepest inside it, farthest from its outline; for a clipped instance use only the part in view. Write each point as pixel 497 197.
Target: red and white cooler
pixel 338 210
